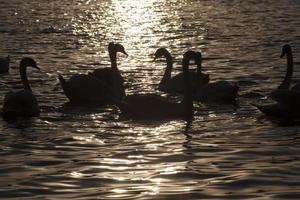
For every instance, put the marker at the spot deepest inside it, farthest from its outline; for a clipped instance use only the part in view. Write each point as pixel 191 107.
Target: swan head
pixel 29 62
pixel 189 55
pixel 120 48
pixel 116 47
pixel 8 58
pixel 161 52
pixel 285 49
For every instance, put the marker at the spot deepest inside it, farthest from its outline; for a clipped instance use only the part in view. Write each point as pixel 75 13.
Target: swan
pixel 287 100
pixel 4 64
pixel 155 107
pixel 111 75
pixel 217 92
pixel 86 89
pixel 175 84
pixel 21 103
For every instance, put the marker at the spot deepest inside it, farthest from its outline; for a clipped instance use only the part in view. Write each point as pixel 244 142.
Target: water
pixel 229 152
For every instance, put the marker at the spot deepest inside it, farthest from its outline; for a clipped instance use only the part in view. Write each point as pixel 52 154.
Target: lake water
pixel 228 152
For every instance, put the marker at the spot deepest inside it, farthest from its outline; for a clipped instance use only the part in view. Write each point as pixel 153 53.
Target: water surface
pixel 228 152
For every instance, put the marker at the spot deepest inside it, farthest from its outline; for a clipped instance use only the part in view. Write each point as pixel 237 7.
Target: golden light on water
pixel 137 20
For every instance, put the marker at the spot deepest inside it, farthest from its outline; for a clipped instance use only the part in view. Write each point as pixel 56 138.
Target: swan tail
pixel 64 85
pixel 274 110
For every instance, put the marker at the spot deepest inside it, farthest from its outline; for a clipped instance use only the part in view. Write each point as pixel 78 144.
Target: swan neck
pixel 24 78
pixel 187 98
pixel 199 68
pixel 168 71
pixel 289 72
pixel 113 58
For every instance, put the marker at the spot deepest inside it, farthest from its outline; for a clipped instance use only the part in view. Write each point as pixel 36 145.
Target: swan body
pixel 287 104
pixel 87 89
pixel 175 84
pixel 137 106
pixel 151 106
pixel 217 92
pixel 287 101
pixel 21 103
pixel 4 65
pixel 111 75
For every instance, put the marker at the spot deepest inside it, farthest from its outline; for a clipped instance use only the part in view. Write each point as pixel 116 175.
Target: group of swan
pixel 202 90
pixel 105 86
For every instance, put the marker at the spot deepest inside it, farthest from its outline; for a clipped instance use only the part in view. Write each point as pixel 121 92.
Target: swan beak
pixel 124 52
pixel 282 54
pixel 156 56
pixel 36 67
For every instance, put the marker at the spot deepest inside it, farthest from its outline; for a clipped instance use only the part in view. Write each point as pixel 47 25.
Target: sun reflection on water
pixel 137 20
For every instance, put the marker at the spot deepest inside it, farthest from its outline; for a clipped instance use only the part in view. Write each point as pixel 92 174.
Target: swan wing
pixel 86 88
pixel 112 78
pixel 289 98
pixel 218 92
pixel 149 106
pixel 176 83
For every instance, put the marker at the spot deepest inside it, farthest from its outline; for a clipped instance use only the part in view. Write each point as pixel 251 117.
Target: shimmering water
pixel 229 152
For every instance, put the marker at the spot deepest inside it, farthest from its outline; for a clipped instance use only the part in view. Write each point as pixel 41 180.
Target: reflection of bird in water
pixel 150 106
pixel 21 103
pixel 175 84
pixel 102 86
pixel 4 65
pixel 287 101
pixel 216 92
pixel 111 75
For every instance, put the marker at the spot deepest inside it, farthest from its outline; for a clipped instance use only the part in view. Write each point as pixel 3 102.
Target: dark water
pixel 228 152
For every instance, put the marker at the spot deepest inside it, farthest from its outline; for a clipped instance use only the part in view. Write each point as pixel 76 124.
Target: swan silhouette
pixel 216 92
pixel 100 87
pixel 4 65
pixel 21 103
pixel 175 84
pixel 111 75
pixel 287 101
pixel 155 107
